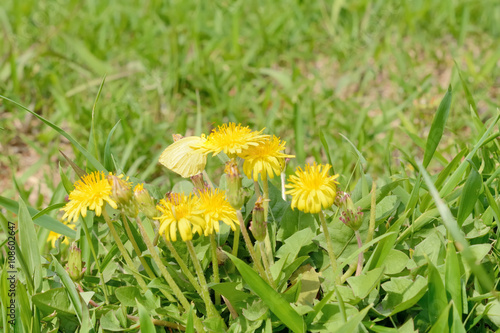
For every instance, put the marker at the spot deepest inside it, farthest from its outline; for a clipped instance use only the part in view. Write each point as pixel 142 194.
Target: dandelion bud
pixel 122 195
pixel 145 201
pixel 350 216
pixel 74 266
pixel 258 226
pixel 235 193
pixel 198 181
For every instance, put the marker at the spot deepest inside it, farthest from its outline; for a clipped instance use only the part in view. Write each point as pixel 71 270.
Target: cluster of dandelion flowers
pixel 180 212
pixel 91 192
pixel 265 159
pixel 181 158
pixel 231 139
pixel 312 188
pixel 216 208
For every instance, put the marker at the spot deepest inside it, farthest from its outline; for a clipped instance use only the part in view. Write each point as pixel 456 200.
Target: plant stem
pixel 349 272
pixel 250 247
pixel 329 247
pixel 123 251
pixel 266 264
pixel 215 265
pixel 360 255
pixel 265 190
pixel 166 275
pixel 371 227
pixel 212 312
pixel 183 266
pixel 136 247
pixel 97 263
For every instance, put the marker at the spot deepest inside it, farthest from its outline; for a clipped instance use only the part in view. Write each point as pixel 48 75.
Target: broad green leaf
pixel 54 300
pixel 237 298
pixel 436 293
pixel 45 221
pixel 190 321
pixel 470 194
pixel 402 294
pixel 441 324
pixel 29 246
pixel 456 322
pixel 437 127
pixel 147 325
pixel 362 285
pixel 273 300
pixel 92 160
pixel 130 295
pixel 352 323
pixel 453 276
pixel 395 262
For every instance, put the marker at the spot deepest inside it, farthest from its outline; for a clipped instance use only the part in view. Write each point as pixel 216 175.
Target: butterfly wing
pixel 182 159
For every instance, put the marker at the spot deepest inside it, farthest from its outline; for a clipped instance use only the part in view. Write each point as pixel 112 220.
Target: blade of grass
pixel 456 233
pixel 107 149
pixel 28 243
pixel 271 298
pixel 45 221
pixel 470 194
pixel 437 127
pixel 92 160
pixel 147 325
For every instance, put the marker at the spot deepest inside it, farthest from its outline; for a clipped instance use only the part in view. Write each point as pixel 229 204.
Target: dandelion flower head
pixel 231 139
pixel 265 159
pixel 216 208
pixel 312 188
pixel 182 213
pixel 91 192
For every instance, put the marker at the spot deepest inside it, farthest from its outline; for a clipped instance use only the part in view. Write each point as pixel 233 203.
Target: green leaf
pixel 147 325
pixel 456 233
pixel 273 300
pixel 452 278
pixel 68 185
pixel 54 300
pixel 441 322
pixel 74 296
pixel 108 162
pixel 362 285
pixel 436 293
pixel 402 294
pixel 395 262
pixel 362 160
pixel 470 194
pixel 130 295
pixel 45 221
pixel 437 127
pixel 29 246
pixel 92 160
pixel 352 323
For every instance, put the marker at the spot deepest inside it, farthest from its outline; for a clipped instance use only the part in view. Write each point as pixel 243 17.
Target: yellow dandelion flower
pixel 91 192
pixel 312 189
pixel 182 159
pixel 180 212
pixel 265 159
pixel 216 208
pixel 53 236
pixel 232 139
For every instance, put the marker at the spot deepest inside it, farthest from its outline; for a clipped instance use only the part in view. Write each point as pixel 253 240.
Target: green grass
pixel 354 83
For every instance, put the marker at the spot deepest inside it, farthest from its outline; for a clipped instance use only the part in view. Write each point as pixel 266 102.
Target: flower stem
pixel 349 272
pixel 166 275
pixel 329 247
pixel 183 266
pixel 266 264
pixel 250 247
pixel 97 263
pixel 360 255
pixel 215 265
pixel 265 190
pixel 123 251
pixel 371 227
pixel 211 311
pixel 136 247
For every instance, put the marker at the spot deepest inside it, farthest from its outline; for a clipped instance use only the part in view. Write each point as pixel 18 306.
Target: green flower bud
pixel 350 216
pixel 74 266
pixel 234 192
pixel 145 201
pixel 258 226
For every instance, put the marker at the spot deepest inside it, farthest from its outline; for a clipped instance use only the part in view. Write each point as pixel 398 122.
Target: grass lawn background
pixel 373 71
